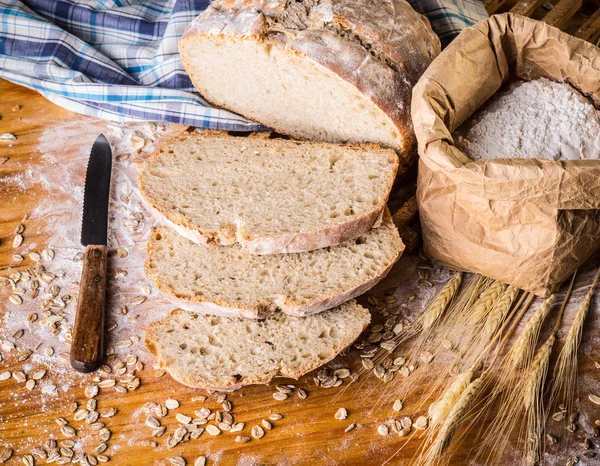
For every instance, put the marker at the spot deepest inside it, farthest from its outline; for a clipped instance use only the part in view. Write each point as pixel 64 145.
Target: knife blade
pixel 88 331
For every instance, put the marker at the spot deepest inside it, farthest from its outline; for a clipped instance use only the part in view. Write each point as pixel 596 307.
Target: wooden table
pixel 308 434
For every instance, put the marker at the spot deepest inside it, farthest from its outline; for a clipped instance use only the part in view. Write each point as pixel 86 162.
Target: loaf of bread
pixel 229 281
pixel 224 353
pixel 324 70
pixel 269 195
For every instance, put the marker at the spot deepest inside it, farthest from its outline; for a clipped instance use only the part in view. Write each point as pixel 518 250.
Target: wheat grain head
pixel 522 351
pixel 440 302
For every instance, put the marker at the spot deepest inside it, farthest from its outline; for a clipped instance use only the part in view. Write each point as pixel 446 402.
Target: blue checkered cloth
pixel 118 60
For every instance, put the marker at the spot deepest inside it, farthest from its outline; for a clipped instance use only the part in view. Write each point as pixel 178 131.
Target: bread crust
pixel 379 47
pixel 152 335
pixel 284 243
pixel 264 308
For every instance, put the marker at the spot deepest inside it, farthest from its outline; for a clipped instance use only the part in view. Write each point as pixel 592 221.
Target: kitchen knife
pixel 88 332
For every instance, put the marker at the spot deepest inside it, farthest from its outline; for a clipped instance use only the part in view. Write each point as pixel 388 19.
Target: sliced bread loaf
pixel 226 353
pixel 336 71
pixel 229 281
pixel 270 195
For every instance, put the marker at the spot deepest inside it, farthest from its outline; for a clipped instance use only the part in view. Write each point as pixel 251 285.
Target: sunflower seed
pixel 30 384
pixel 350 427
pixel 19 376
pixel 137 300
pixel 159 431
pixel 5 375
pixel 5 455
pixel 200 461
pixel 280 396
pixel 107 383
pixel 177 461
pixel 7 137
pixel 398 405
pixel 17 241
pixel 258 432
pixel 383 429
pixel 242 439
pixel 152 422
pixel 275 417
pixel 594 399
pixel 266 424
pixel 15 299
pixel 238 427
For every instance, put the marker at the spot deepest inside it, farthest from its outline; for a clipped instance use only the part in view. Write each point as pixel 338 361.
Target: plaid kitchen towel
pixel 118 60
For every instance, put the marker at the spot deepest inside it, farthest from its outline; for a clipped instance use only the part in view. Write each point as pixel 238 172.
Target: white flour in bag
pixel 534 119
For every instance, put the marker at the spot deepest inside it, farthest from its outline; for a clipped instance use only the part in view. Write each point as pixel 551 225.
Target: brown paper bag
pixel 529 222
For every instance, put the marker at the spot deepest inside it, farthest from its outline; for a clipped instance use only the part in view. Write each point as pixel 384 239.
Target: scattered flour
pixel 535 119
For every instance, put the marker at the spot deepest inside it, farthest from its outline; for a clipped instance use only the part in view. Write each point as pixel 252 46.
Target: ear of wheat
pixel 564 379
pixel 486 301
pixel 453 420
pixel 439 304
pixel 533 393
pixel 499 311
pixel 439 410
pixel 522 351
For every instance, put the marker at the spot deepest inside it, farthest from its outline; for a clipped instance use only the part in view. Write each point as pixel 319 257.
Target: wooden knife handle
pixel 88 332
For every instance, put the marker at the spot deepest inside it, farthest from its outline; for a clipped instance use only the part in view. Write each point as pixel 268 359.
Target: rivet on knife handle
pixel 88 332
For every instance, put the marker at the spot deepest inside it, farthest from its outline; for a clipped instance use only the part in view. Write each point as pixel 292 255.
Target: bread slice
pixel 336 71
pixel 223 353
pixel 270 195
pixel 229 281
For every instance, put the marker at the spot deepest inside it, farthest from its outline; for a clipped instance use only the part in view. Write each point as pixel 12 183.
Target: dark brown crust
pixel 389 28
pixel 284 243
pixel 152 336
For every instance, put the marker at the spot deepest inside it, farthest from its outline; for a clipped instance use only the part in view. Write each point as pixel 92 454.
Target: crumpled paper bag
pixel 529 223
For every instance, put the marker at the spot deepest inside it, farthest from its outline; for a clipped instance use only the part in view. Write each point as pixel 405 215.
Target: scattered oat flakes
pixel 242 439
pixel 280 396
pixel 594 399
pixel 383 429
pixel 398 405
pixel 183 419
pixel 172 404
pixel 421 423
pixel 200 461
pixel 341 414
pixel 213 430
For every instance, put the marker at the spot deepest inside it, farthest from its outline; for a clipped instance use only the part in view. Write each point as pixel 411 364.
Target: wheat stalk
pixel 537 373
pixel 440 302
pixel 565 372
pixel 500 310
pixel 486 300
pixel 453 420
pixel 522 351
pixel 440 409
pixel 533 392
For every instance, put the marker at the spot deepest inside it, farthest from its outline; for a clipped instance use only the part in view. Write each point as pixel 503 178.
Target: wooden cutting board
pixel 308 433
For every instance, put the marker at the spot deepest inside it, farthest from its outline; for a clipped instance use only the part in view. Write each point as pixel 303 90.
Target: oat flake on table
pixel 534 119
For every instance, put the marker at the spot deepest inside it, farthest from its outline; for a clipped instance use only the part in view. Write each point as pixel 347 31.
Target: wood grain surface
pixel 308 433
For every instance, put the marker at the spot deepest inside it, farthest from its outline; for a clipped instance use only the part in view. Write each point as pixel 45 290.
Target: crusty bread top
pixel 255 285
pixel 379 48
pixel 226 353
pixel 270 195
